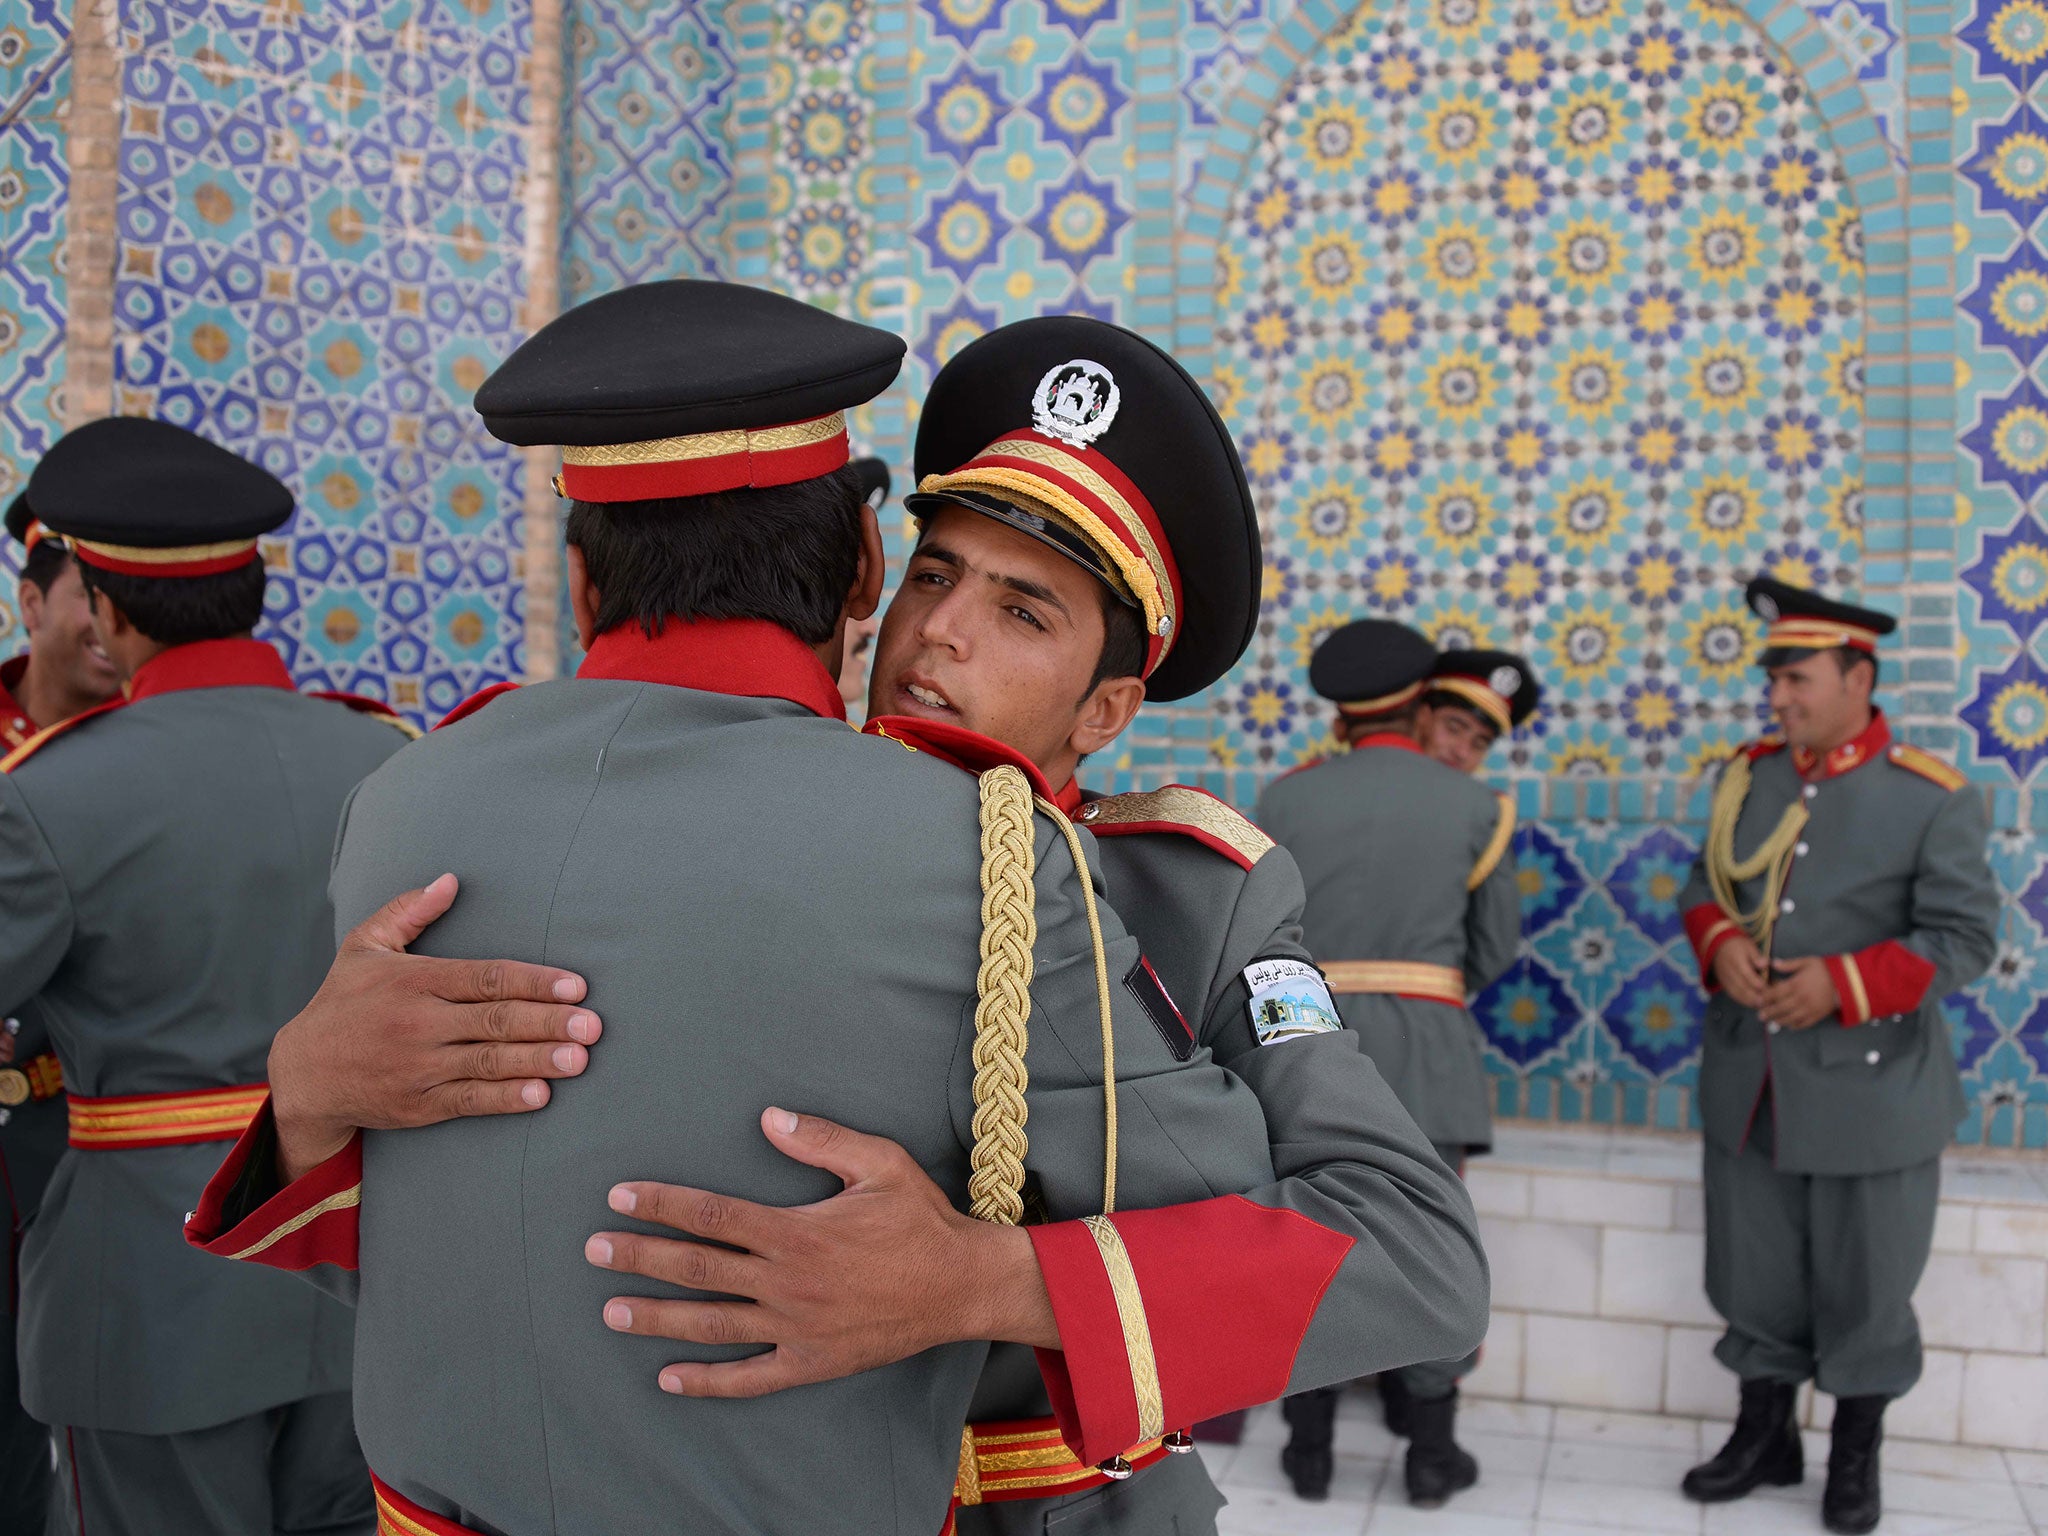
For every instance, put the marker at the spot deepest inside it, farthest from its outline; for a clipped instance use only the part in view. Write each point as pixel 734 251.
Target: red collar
pixel 11 708
pixel 1392 739
pixel 1872 743
pixel 209 664
pixel 1069 799
pixel 746 658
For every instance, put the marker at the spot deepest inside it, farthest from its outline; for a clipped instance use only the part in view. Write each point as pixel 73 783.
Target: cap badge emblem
pixel 1075 402
pixel 1505 681
pixel 1766 607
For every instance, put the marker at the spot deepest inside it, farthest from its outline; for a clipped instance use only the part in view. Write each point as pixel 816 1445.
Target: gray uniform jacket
pixel 1211 897
pixel 772 909
pixel 163 907
pixel 1889 881
pixel 1406 860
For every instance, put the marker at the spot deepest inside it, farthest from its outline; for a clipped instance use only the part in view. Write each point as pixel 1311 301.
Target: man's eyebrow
pixel 940 553
pixel 1030 588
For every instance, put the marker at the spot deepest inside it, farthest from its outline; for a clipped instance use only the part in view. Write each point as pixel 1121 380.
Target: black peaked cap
pixel 1504 672
pixel 1166 438
pixel 1771 600
pixel 144 483
pixel 1369 659
pixel 18 517
pixel 679 358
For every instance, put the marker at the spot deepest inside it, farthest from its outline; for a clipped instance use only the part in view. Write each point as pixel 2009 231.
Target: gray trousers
pixel 1814 1274
pixel 1437 1378
pixel 291 1470
pixel 24 1449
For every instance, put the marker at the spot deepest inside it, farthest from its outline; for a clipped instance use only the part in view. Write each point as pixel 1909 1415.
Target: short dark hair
pixel 1443 698
pixel 1847 656
pixel 1123 642
pixel 787 554
pixel 179 610
pixel 44 564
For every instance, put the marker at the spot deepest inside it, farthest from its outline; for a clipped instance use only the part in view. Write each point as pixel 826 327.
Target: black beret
pixel 142 484
pixel 1371 665
pixel 874 480
pixel 1099 422
pixel 1800 620
pixel 1499 684
pixel 683 358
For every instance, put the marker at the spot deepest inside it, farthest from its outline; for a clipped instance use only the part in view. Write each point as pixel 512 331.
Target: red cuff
pixel 1708 927
pixel 1886 978
pixel 1224 1292
pixel 310 1221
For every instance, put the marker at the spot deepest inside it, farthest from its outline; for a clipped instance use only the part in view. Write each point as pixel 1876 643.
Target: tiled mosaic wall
pixel 35 83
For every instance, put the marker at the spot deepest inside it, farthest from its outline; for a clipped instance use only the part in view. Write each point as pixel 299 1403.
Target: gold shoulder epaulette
pixel 50 733
pixel 1503 834
pixel 1928 766
pixel 1177 808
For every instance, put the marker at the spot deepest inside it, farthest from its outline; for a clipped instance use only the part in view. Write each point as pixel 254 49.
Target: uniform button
pixel 1810 791
pixel 1871 1057
pixel 1772 1028
pixel 1800 850
pixel 1785 905
pixel 1090 812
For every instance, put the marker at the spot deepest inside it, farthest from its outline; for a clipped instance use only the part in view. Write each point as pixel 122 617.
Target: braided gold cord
pixel 1002 1011
pixel 1101 1003
pixel 1725 872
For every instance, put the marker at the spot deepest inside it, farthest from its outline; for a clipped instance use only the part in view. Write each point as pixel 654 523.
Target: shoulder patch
pixel 1927 765
pixel 473 703
pixel 377 709
pixel 1178 808
pixel 50 733
pixel 1289 999
pixel 1763 746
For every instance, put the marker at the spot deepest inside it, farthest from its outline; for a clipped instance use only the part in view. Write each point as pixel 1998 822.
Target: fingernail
pixel 598 1251
pixel 783 1121
pixel 671 1382
pixel 569 988
pixel 618 1315
pixel 583 1027
pixel 565 1058
pixel 535 1094
pixel 623 1199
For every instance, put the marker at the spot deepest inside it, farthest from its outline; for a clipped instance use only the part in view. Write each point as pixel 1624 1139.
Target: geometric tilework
pixel 35 83
pixel 321 230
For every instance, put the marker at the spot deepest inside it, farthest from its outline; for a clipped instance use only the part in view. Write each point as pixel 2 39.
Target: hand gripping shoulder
pixel 1179 809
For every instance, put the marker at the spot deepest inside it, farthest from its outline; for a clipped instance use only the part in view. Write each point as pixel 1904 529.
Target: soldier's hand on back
pixel 1739 970
pixel 393 1040
pixel 1801 995
pixel 877 1273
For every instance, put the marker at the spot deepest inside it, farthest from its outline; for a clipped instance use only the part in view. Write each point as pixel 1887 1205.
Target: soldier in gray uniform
pixel 63 673
pixel 1412 905
pixel 161 905
pixel 729 827
pixel 1841 895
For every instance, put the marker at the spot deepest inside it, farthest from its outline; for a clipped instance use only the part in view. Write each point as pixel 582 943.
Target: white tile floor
pixel 1567 1472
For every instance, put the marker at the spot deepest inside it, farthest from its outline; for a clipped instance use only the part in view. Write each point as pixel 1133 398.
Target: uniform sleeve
pixel 1245 1278
pixel 1953 931
pixel 244 1213
pixel 36 914
pixel 1493 925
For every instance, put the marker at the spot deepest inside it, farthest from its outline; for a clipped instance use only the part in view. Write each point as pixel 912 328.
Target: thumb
pixel 852 1155
pixel 404 918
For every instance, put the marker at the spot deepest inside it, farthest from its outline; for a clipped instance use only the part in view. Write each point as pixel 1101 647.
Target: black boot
pixel 1851 1505
pixel 1764 1449
pixel 1394 1402
pixel 1307 1459
pixel 1436 1466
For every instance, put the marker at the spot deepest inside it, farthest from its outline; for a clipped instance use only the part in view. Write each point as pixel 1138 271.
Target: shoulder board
pixel 1179 809
pixel 1763 746
pixel 473 703
pixel 1300 767
pixel 966 750
pixel 373 707
pixel 1503 834
pixel 50 733
pixel 1927 765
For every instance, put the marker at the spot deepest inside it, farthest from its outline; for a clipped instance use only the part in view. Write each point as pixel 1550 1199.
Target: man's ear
pixel 1105 713
pixel 583 598
pixel 109 620
pixel 31 600
pixel 865 595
